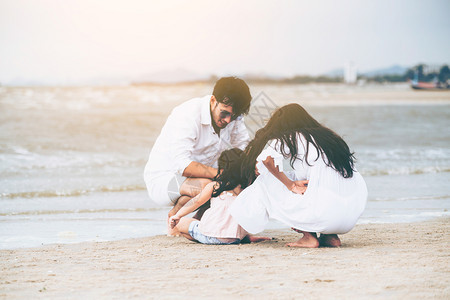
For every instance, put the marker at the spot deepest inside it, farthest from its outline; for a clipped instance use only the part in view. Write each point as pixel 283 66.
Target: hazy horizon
pixel 179 76
pixel 51 42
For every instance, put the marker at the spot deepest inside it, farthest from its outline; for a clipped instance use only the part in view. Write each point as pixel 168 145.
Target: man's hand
pixel 173 221
pixel 299 186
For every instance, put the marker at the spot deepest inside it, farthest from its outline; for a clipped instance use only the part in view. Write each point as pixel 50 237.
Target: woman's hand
pixel 173 221
pixel 269 162
pixel 299 186
pixel 256 171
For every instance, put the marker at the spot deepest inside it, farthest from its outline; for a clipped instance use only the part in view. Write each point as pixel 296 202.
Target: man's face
pixel 221 114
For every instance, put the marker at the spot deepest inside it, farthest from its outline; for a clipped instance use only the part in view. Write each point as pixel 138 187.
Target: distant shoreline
pixel 208 83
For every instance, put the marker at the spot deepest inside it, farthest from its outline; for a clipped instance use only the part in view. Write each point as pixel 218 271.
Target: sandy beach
pixel 104 198
pixel 384 261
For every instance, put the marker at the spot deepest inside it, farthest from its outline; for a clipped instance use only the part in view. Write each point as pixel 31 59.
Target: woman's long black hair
pixel 284 125
pixel 229 175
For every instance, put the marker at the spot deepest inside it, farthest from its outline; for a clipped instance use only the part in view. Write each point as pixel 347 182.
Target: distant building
pixel 350 73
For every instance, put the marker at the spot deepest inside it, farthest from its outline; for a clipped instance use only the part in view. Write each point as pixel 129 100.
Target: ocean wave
pixel 71 193
pixel 404 171
pixel 23 159
pixel 413 198
pixel 402 217
pixel 402 154
pixel 81 211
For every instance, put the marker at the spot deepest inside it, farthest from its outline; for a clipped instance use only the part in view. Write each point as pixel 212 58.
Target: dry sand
pixel 383 261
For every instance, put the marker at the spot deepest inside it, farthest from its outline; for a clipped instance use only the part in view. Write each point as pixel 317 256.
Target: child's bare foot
pixel 309 240
pixel 172 231
pixel 257 239
pixel 254 239
pixel 329 240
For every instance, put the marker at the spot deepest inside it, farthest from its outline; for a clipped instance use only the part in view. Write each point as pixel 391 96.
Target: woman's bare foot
pixel 309 240
pixel 329 240
pixel 296 230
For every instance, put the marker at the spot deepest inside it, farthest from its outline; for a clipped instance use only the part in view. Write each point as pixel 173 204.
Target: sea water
pixel 72 158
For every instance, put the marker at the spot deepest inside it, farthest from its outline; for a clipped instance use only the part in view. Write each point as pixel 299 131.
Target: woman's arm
pixel 193 204
pixel 298 187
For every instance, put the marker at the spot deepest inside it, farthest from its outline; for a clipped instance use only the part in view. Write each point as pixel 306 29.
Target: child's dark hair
pixel 230 177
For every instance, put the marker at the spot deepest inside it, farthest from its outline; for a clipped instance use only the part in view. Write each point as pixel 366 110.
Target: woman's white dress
pixel 331 204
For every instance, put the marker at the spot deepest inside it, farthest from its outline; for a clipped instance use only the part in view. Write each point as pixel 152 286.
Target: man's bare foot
pixel 329 240
pixel 309 240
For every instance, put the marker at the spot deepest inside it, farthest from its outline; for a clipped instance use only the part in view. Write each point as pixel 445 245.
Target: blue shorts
pixel 204 239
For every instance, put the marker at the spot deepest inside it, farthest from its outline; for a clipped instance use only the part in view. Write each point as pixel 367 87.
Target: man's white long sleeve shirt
pixel 188 135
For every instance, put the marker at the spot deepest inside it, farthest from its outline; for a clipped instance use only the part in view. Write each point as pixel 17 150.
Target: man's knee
pixel 204 182
pixel 193 187
pixel 201 184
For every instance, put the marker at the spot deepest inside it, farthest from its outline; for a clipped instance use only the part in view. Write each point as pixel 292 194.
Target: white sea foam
pixel 404 171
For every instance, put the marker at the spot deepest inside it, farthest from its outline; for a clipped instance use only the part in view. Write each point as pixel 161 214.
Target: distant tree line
pixel 299 79
pixel 417 72
pixel 421 72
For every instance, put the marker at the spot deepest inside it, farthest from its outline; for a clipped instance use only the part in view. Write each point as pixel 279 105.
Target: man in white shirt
pixel 184 157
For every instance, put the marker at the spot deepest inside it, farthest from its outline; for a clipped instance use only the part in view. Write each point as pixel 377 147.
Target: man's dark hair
pixel 234 92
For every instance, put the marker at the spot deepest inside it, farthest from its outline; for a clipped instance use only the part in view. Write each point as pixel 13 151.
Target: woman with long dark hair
pixel 323 193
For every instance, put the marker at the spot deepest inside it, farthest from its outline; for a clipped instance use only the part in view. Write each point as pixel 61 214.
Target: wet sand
pixel 384 261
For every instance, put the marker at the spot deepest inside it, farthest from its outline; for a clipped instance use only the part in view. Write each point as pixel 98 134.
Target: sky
pixel 75 41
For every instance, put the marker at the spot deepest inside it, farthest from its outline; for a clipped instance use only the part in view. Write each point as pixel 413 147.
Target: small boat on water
pixel 421 85
pixel 433 85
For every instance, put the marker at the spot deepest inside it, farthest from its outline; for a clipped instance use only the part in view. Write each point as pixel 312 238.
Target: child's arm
pixel 298 187
pixel 193 204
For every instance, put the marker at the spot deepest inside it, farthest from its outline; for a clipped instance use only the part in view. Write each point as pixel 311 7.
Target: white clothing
pixel 166 188
pixel 187 136
pixel 331 204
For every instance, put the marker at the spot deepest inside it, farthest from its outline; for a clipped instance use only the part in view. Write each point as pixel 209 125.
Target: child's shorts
pixel 204 239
